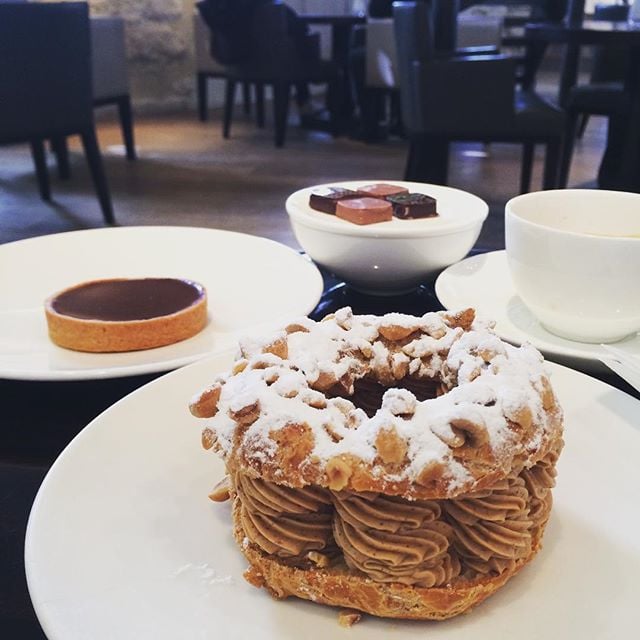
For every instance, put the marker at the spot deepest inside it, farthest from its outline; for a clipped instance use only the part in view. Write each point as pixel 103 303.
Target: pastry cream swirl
pixel 283 521
pixel 539 481
pixel 424 543
pixel 492 526
pixel 393 540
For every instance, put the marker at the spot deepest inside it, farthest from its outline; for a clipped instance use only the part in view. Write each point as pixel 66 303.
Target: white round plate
pixel 483 282
pixel 122 541
pixel 457 210
pixel 250 281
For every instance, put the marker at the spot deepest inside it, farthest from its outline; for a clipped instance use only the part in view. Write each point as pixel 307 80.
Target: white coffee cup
pixel 574 257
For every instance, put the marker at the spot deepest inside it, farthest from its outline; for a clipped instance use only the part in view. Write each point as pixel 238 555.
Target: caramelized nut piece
pixel 239 366
pixel 325 381
pixel 391 447
pixel 278 348
pixel 430 475
pixel 548 398
pixel 206 404
pixel 522 417
pixel 463 319
pixel 473 434
pixel 338 472
pixel 314 399
pixel 247 415
pixel 332 433
pixel 208 438
pixel 221 492
pixel 400 367
pixel 319 559
pixel 487 354
pixel 395 332
pixel 294 327
pixel 348 617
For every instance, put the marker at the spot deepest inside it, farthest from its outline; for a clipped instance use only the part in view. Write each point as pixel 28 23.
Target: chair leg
pixel 567 149
pixel 60 149
pixel 229 97
pixel 259 91
pixel 281 94
pixel 526 168
pixel 335 105
pixel 408 169
pixel 203 98
pixel 126 124
pixel 551 165
pixel 582 125
pixel 246 98
pixel 428 160
pixel 42 174
pixel 94 160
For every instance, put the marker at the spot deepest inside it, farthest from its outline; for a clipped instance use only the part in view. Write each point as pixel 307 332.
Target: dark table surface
pixel 620 167
pixel 41 418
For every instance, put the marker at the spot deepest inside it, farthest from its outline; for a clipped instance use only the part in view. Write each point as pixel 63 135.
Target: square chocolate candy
pixel 413 205
pixel 364 210
pixel 325 199
pixel 381 190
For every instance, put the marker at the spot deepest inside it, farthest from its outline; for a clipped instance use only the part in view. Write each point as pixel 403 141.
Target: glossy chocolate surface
pixel 127 299
pixel 413 205
pixel 364 210
pixel 381 190
pixel 325 199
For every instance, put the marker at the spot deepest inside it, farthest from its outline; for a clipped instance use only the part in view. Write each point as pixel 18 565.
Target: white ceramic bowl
pixel 574 257
pixel 389 257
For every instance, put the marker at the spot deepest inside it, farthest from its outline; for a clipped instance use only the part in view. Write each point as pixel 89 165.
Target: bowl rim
pixel 396 229
pixel 598 193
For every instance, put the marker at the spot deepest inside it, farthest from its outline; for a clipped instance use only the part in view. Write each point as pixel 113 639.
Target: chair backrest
pixel 45 70
pixel 109 58
pixel 276 53
pixel 202 44
pixel 380 54
pixel 381 51
pixel 413 23
pixel 448 95
pixel 480 31
pixel 610 64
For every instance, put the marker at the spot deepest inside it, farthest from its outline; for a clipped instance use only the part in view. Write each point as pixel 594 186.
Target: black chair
pixel 603 95
pixel 45 85
pixel 208 68
pixel 447 98
pixel 275 59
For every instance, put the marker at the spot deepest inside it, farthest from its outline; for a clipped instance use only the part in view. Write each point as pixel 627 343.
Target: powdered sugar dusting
pixel 490 384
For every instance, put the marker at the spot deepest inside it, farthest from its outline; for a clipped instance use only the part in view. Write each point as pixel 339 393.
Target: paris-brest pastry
pixel 395 465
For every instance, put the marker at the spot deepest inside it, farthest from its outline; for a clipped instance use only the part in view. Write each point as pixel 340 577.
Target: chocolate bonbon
pixel 325 199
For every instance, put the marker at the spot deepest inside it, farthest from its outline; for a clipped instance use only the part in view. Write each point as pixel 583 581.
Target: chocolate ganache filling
pixel 121 300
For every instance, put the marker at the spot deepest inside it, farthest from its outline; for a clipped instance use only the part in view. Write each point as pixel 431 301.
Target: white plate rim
pixel 313 293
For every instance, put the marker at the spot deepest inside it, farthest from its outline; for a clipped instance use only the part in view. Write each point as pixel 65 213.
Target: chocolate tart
pixel 122 314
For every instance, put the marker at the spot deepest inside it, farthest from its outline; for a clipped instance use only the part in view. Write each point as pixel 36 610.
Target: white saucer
pixel 250 281
pixel 484 282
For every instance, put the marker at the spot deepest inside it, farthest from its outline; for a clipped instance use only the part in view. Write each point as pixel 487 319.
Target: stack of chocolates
pixel 372 203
